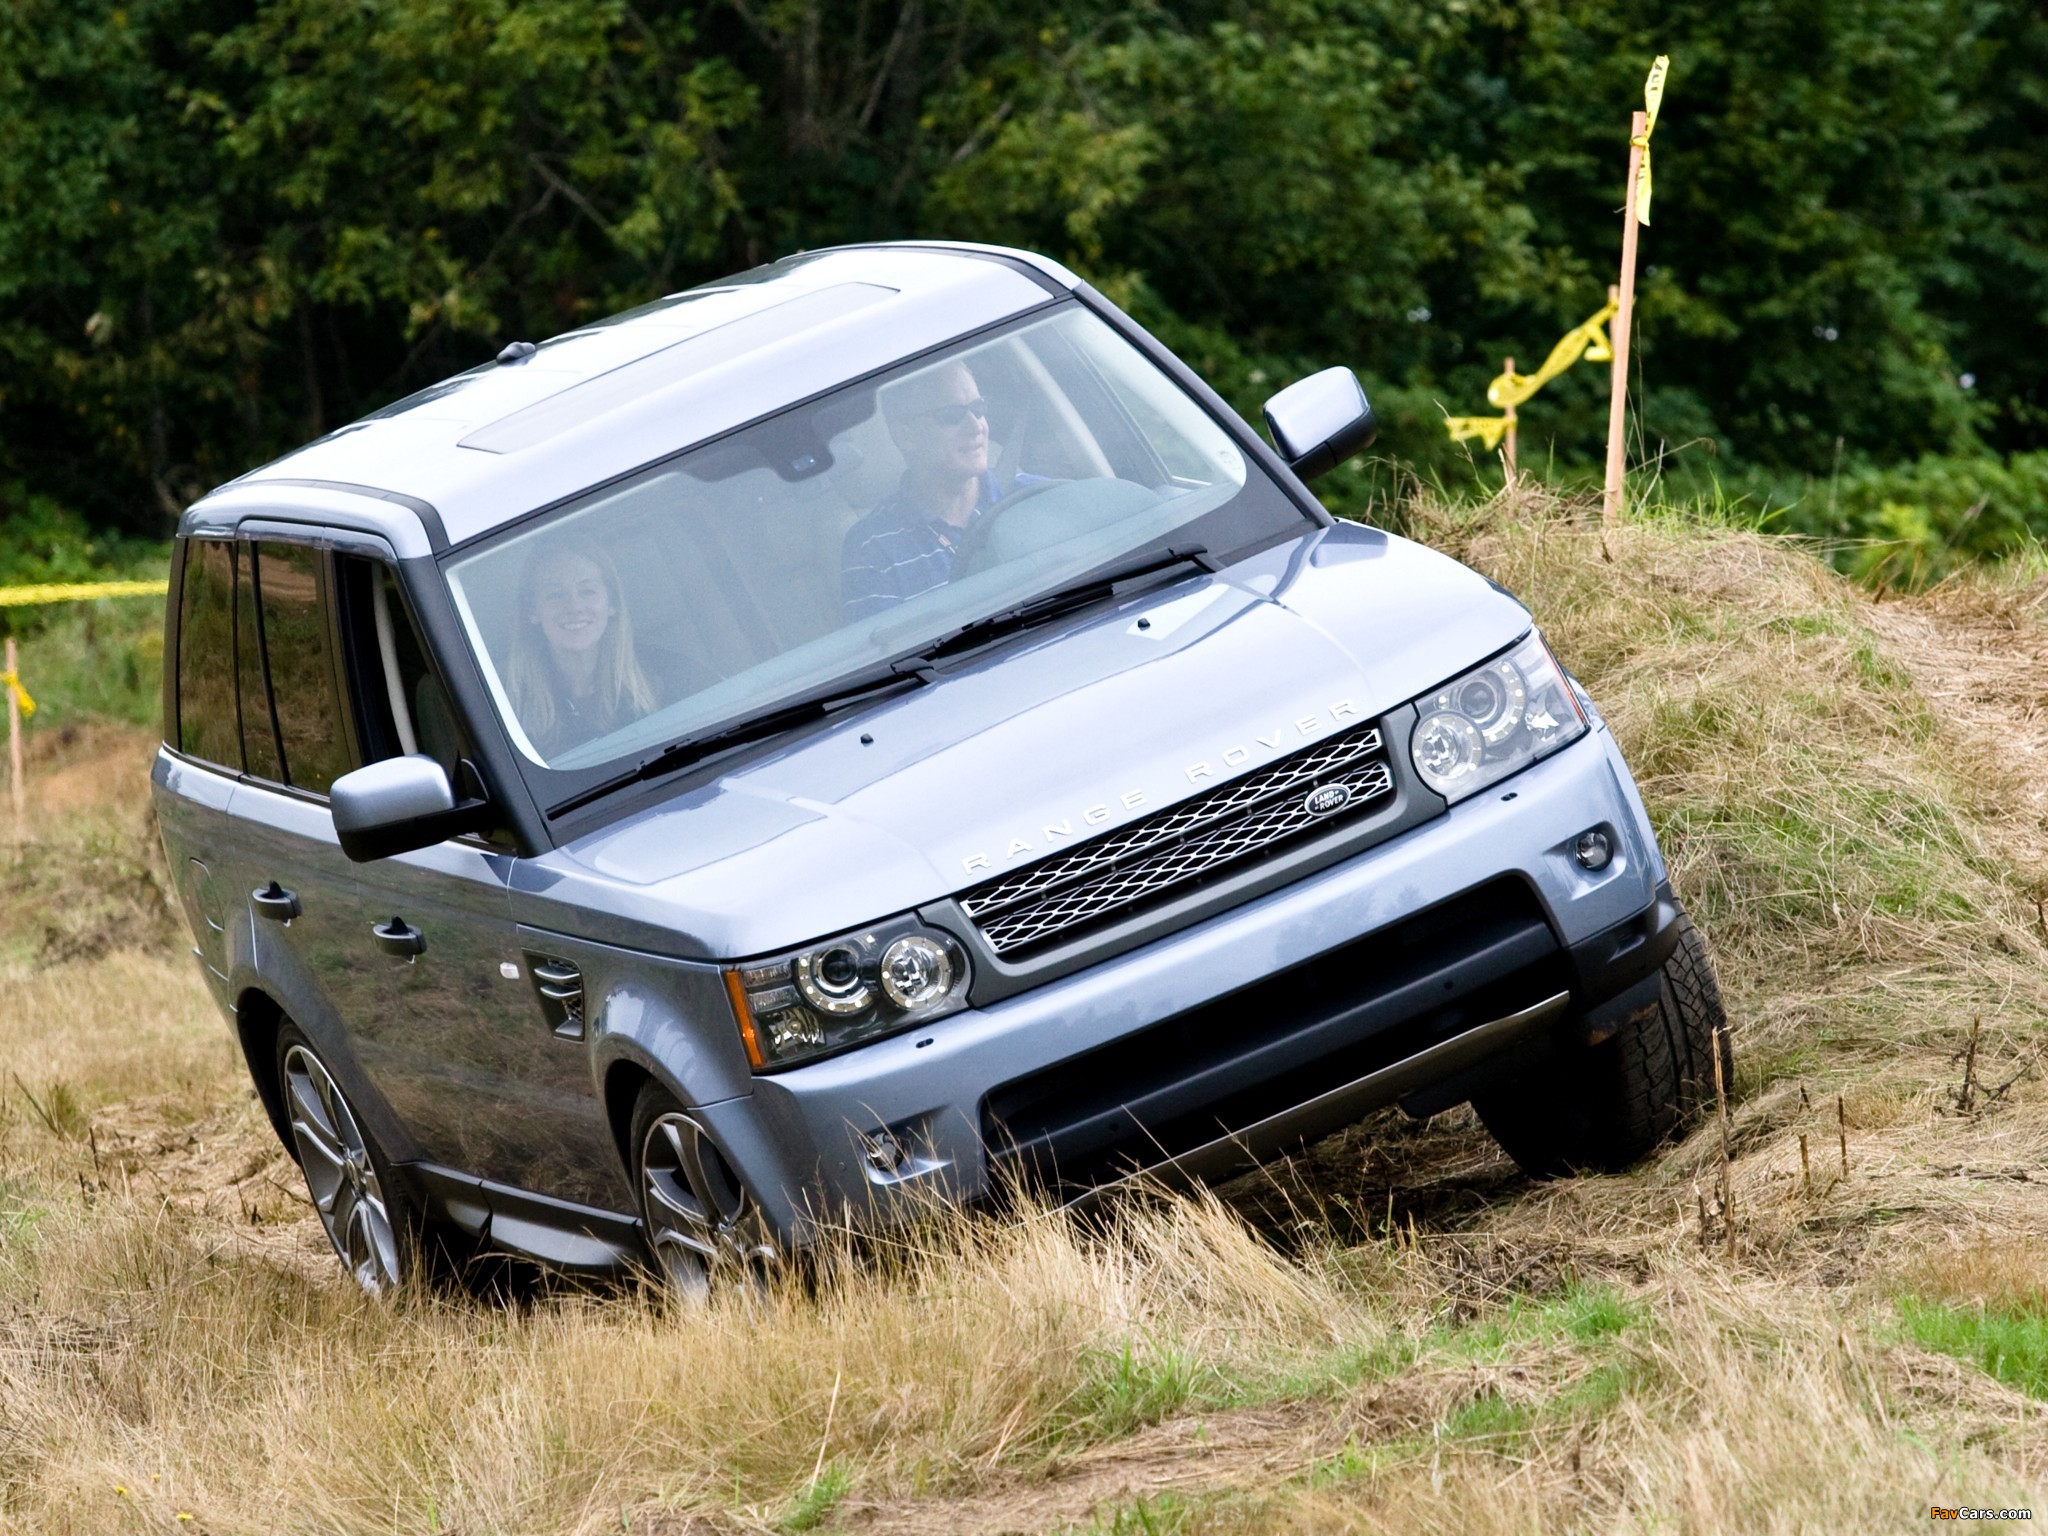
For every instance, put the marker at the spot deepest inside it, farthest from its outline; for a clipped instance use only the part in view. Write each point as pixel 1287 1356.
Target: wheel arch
pixel 258 1018
pixel 624 1077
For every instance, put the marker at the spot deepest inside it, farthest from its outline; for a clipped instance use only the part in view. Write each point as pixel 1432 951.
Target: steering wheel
pixel 972 548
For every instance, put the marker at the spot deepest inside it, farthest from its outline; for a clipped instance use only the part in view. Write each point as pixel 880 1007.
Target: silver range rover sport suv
pixel 877 726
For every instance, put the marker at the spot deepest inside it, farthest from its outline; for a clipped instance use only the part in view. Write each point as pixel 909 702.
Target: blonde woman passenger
pixel 574 672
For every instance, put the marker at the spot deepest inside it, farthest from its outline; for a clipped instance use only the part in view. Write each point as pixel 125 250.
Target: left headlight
pixel 845 991
pixel 1495 720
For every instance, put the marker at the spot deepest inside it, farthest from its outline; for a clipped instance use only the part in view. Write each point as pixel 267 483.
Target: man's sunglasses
pixel 956 415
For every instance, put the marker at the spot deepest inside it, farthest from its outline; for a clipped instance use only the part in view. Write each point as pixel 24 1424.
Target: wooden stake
pixel 1842 1124
pixel 1508 366
pixel 1624 318
pixel 1969 1091
pixel 17 783
pixel 1805 1167
pixel 1727 1185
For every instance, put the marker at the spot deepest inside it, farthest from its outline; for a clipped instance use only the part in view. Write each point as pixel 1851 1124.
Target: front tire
pixel 702 1227
pixel 1607 1107
pixel 368 1214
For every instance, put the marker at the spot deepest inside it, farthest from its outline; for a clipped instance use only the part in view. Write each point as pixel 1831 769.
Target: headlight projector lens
pixel 1493 700
pixel 830 980
pixel 915 970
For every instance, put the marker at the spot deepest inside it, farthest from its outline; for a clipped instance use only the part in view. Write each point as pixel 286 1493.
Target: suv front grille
pixel 1178 847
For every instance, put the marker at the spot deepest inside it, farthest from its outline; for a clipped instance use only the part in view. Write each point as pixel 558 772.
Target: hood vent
pixel 560 986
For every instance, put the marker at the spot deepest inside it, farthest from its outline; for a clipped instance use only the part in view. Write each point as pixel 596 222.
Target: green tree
pixel 226 225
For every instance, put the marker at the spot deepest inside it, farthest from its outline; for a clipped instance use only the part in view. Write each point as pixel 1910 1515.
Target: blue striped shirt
pixel 899 550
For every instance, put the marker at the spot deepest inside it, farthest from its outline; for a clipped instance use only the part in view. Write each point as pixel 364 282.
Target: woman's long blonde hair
pixel 620 689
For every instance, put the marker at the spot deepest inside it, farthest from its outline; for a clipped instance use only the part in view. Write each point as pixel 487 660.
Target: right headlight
pixel 846 991
pixel 1495 720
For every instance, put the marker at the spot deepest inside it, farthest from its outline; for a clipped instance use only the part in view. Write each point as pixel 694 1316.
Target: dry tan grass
pixel 978 1350
pixel 2003 1269
pixel 1395 1331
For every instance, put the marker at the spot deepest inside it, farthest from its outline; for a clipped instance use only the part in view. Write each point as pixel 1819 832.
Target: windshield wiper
pixel 913 668
pixel 1075 594
pixel 758 726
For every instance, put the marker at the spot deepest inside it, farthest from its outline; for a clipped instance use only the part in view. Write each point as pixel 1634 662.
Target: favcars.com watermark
pixel 1964 1512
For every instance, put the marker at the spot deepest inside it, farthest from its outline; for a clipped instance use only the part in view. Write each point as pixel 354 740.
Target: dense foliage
pixel 226 225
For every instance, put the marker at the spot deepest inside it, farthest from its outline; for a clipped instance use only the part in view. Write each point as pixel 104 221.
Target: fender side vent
pixel 560 986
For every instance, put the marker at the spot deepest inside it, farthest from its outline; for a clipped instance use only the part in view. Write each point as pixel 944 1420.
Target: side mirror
pixel 1320 421
pixel 398 805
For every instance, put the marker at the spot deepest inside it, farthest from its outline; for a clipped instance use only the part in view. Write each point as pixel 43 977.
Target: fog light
pixel 885 1154
pixel 1593 850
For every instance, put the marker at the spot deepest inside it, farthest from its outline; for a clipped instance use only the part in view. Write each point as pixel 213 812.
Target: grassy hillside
pixel 1395 1332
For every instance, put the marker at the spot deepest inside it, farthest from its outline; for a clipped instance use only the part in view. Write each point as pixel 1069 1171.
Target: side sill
pixel 556 1232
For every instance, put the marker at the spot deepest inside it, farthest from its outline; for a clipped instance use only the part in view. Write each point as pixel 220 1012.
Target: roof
pixel 478 450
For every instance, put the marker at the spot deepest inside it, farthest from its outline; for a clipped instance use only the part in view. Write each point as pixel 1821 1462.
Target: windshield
pixel 836 536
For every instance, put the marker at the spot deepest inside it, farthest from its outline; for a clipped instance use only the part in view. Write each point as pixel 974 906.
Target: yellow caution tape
pixel 78 591
pixel 1488 429
pixel 1585 342
pixel 12 681
pixel 1653 98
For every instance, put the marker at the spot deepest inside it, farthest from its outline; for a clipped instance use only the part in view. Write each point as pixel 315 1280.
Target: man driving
pixel 908 543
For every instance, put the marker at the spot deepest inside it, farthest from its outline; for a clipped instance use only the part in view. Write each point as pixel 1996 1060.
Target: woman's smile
pixel 575 607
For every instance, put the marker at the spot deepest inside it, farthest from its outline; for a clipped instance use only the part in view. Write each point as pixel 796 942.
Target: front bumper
pixel 1414 973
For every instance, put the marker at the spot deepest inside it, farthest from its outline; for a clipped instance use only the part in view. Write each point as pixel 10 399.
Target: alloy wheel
pixel 340 1173
pixel 701 1222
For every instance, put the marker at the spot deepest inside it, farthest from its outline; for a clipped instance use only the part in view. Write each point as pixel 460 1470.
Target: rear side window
pixel 310 728
pixel 260 754
pixel 207 724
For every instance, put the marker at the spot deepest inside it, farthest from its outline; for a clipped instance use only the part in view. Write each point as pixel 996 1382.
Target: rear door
pixel 298 923
pixel 196 778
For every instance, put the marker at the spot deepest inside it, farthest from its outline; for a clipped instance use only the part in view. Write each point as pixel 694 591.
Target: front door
pixel 463 1041
pixel 460 1039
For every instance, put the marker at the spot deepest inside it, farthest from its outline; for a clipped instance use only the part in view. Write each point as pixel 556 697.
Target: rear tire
pixel 367 1210
pixel 1606 1107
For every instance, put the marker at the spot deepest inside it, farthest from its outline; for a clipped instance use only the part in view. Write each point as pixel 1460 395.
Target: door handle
pixel 275 902
pixel 398 937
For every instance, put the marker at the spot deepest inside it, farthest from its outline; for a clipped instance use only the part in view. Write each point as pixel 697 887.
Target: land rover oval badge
pixel 1326 799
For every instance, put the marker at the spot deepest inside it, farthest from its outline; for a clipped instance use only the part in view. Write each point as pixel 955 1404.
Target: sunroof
pixel 695 354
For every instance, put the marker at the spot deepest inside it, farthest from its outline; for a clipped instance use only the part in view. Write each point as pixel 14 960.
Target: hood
pixel 1075 730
